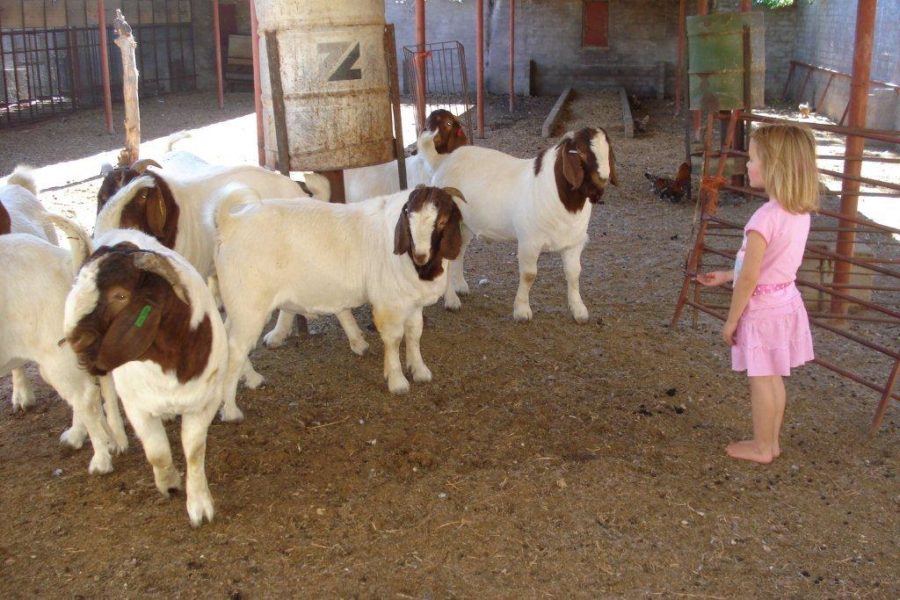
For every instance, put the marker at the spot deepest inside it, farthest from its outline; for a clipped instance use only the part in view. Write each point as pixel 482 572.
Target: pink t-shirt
pixel 785 236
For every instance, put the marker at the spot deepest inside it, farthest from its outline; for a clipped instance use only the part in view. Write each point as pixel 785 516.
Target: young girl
pixel 767 326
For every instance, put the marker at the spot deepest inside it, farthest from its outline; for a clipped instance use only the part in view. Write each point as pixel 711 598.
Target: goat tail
pixel 79 242
pixel 177 137
pixel 24 177
pixel 228 198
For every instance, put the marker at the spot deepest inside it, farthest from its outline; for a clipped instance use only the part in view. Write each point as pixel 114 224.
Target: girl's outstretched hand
pixel 714 278
pixel 728 330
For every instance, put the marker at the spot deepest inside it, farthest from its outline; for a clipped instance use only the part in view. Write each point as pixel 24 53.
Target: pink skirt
pixel 772 335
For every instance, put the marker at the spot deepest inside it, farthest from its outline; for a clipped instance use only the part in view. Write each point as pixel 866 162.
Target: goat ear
pixel 156 211
pixel 402 242
pixel 572 168
pixel 613 179
pixel 129 336
pixel 451 239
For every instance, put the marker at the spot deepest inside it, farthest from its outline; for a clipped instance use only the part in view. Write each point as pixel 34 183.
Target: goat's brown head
pixel 115 178
pixel 152 209
pixel 428 229
pixel 130 304
pixel 584 165
pixel 450 133
pixel 5 220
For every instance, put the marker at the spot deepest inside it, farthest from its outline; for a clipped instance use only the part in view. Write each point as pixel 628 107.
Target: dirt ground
pixel 546 459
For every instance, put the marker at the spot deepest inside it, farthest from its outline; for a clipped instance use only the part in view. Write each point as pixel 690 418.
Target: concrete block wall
pixel 445 20
pixel 825 36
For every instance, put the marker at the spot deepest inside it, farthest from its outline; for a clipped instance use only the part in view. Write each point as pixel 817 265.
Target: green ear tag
pixel 142 316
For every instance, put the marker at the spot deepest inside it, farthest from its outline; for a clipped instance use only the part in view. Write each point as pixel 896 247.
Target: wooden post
pixel 125 42
pixel 104 65
pixel 217 44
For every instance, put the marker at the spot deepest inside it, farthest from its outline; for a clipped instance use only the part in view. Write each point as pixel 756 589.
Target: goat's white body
pixel 27 214
pixel 194 191
pixel 363 183
pixel 194 186
pixel 35 269
pixel 149 394
pixel 320 258
pixel 505 200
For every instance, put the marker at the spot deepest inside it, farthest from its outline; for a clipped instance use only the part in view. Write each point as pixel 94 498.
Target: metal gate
pixel 52 70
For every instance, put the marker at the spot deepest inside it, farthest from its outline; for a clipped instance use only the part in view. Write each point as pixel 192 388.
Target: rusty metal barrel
pixel 325 86
pixel 726 66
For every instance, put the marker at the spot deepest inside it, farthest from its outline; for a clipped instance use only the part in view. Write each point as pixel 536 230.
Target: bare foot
pixel 776 451
pixel 749 450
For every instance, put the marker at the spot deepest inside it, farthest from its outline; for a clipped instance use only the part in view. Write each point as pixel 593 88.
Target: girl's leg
pixel 780 403
pixel 763 406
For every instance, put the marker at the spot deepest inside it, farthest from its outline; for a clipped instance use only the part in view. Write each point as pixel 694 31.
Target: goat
pixel 442 135
pixel 34 282
pixel 24 213
pixel 177 212
pixel 320 258
pixel 542 207
pixel 142 313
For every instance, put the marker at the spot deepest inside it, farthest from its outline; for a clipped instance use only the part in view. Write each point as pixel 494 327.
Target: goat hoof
pixel 231 415
pixel 200 509
pixel 22 400
pixel 422 374
pixel 398 384
pixel 359 347
pixel 101 464
pixel 118 446
pixel 275 339
pixel 253 380
pixel 580 314
pixel 452 304
pixel 522 314
pixel 73 438
pixel 168 481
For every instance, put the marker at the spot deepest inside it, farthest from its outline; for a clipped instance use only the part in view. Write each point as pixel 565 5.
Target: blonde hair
pixel 787 155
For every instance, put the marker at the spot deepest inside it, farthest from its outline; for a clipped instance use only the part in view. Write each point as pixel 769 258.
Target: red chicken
pixel 673 190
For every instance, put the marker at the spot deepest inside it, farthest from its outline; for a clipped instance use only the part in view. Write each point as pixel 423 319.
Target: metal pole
pixel 104 65
pixel 420 65
pixel 679 78
pixel 859 90
pixel 217 34
pixel 512 55
pixel 257 86
pixel 479 66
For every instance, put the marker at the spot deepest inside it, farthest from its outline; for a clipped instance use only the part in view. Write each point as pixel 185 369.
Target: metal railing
pixel 445 79
pixel 874 287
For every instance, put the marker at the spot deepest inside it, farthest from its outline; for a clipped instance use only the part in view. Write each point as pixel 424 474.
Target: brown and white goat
pixel 142 313
pixel 543 203
pixel 34 282
pixel 318 258
pixel 442 135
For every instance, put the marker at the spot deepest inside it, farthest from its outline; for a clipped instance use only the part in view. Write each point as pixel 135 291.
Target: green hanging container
pixel 718 69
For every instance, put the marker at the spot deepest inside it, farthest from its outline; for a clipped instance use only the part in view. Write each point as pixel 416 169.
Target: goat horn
pixel 154 263
pixel 455 192
pixel 141 165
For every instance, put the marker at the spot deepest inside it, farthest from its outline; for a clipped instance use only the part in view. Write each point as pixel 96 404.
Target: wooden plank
pixel 553 116
pixel 627 119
